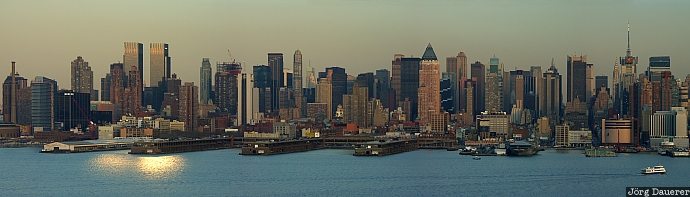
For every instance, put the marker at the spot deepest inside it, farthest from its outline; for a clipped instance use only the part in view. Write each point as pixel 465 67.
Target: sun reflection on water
pixel 149 167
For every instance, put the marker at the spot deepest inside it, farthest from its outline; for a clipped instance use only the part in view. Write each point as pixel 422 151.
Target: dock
pixel 383 148
pixel 85 146
pixel 437 141
pixel 280 147
pixel 178 146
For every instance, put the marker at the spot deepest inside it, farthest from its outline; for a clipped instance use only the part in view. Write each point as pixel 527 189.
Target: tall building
pixel 247 106
pixel 396 74
pixel 447 100
pixel 189 105
pixel 367 80
pixel 494 87
pixel 338 79
pixel 382 88
pixel 300 103
pixel 478 76
pixel 105 87
pixel 578 81
pixel 72 110
pixel 409 84
pixel 429 92
pixel 133 93
pixel 275 62
pixel 134 58
pixel 551 95
pixel 43 93
pixel 659 63
pixel 262 81
pixel 82 78
pixel 159 66
pixel 533 86
pixel 615 132
pixel 205 78
pixel 355 107
pixel 16 105
pixel 226 86
pixel 117 89
pixel 624 75
pixel 170 105
pixel 601 82
pixel 324 94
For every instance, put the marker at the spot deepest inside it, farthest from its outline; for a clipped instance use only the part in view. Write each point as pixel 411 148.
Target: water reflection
pixel 150 167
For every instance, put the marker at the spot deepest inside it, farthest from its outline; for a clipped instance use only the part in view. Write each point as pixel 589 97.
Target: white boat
pixel 654 170
pixel 476 158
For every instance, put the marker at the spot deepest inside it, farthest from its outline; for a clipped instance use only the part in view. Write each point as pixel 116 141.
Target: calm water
pixel 25 172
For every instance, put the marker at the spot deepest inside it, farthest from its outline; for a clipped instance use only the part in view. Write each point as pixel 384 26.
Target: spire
pixel 628 52
pixel 429 53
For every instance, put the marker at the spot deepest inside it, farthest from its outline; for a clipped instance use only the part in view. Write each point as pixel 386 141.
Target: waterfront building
pixel 616 132
pixel 189 105
pixel 43 93
pixel 579 138
pixel 82 78
pixel 205 84
pixel 159 65
pixel 562 131
pixel 285 130
pixel 493 125
pixel 72 110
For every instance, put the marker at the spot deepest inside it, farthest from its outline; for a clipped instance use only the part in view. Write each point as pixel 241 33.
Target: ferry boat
pixel 476 158
pixel 599 152
pixel 678 152
pixel 654 170
pixel 468 150
pixel 521 148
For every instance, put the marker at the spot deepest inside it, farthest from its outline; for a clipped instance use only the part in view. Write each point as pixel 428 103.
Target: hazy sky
pixel 360 35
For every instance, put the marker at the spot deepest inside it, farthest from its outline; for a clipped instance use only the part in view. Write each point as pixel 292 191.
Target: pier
pixel 437 141
pixel 383 148
pixel 84 146
pixel 280 147
pixel 177 146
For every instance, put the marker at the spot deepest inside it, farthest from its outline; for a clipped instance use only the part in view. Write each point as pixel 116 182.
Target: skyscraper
pixel 324 95
pixel 262 81
pixel 409 84
pixel 247 106
pixel 478 76
pixel 117 89
pixel 578 82
pixel 133 93
pixel 205 77
pixel 300 103
pixel 275 62
pixel 601 82
pixel 16 105
pixel 429 86
pixel 551 95
pixel 382 88
pixel 226 86
pixel 82 78
pixel 134 57
pixel 189 106
pixel 159 66
pixel 624 75
pixel 447 102
pixel 43 93
pixel 338 79
pixel 105 87
pixel 396 73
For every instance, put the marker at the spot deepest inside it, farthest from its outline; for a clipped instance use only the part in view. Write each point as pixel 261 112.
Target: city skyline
pixel 187 48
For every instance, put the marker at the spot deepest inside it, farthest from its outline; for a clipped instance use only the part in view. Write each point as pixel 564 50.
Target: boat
pixel 521 148
pixel 654 170
pixel 599 152
pixel 476 158
pixel 467 150
pixel 485 151
pixel 678 152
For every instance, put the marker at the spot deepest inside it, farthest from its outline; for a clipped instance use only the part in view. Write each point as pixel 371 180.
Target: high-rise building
pixel 324 95
pixel 247 106
pixel 382 88
pixel 447 100
pixel 601 82
pixel 226 86
pixel 82 78
pixel 624 77
pixel 297 83
pixel 134 58
pixel 105 87
pixel 659 63
pixel 159 66
pixel 617 131
pixel 43 93
pixel 494 87
pixel 409 84
pixel 429 86
pixel 551 95
pixel 189 106
pixel 479 76
pixel 355 107
pixel 367 80
pixel 117 89
pixel 578 81
pixel 17 101
pixel 262 81
pixel 396 74
pixel 275 62
pixel 205 78
pixel 133 93
pixel 72 110
pixel 170 105
pixel 533 85
pixel 338 79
